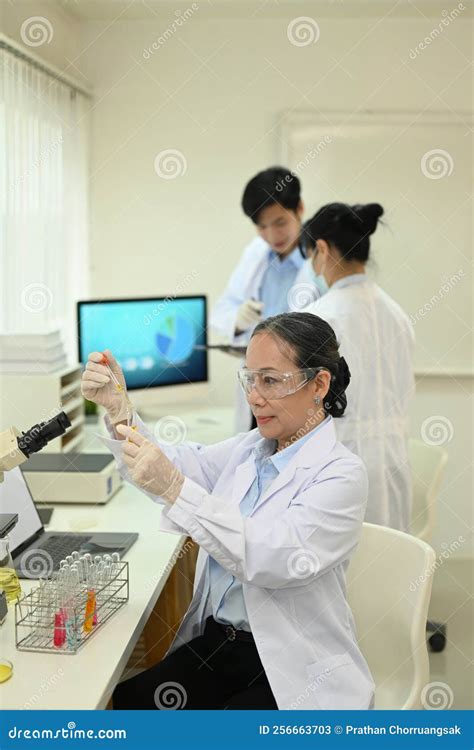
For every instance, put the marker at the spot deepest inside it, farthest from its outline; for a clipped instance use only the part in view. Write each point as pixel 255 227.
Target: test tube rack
pixel 36 622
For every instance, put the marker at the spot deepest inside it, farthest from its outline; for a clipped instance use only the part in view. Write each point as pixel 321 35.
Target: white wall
pixel 215 90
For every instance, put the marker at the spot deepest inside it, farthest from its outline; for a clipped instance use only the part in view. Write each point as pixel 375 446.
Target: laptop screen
pixel 15 497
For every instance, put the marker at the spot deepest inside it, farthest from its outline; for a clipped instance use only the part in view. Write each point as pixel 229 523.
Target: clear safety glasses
pixel 272 384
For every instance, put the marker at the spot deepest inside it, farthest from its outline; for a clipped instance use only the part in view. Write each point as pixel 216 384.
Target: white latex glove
pixel 248 314
pixel 98 386
pixel 148 466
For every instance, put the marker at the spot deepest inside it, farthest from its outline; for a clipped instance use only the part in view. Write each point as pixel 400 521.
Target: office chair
pixel 389 594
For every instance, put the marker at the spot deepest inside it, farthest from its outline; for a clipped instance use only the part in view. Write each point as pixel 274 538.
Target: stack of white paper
pixel 33 353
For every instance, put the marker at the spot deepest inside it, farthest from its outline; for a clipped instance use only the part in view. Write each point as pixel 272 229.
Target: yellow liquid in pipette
pixel 10 583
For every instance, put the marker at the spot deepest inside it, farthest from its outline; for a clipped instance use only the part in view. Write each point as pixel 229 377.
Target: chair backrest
pixel 428 464
pixel 389 587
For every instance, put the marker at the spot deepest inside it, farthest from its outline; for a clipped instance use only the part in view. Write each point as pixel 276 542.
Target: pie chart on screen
pixel 175 338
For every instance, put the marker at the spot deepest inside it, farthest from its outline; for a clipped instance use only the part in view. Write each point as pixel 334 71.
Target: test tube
pixel 112 375
pixel 90 615
pixel 115 564
pixel 118 387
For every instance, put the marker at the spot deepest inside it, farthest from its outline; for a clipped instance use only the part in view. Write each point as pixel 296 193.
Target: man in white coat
pixel 272 275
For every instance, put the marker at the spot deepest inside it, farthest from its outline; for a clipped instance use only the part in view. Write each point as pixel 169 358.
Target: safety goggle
pixel 272 384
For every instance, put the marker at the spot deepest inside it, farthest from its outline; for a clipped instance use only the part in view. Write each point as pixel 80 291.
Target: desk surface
pixel 85 680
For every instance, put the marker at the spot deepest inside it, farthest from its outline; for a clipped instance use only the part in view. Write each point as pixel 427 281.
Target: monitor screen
pixel 153 339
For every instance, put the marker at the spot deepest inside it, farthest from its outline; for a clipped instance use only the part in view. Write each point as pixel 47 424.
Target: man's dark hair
pixel 273 185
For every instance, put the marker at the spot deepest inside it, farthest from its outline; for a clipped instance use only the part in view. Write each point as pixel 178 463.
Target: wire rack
pixel 41 626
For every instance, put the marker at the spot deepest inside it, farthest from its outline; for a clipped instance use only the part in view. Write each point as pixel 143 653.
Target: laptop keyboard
pixel 58 547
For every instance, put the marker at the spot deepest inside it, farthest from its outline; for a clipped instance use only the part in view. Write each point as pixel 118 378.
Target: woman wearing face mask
pixel 376 337
pixel 277 513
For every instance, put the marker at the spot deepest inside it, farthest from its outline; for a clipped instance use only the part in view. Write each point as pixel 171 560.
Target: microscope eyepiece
pixel 34 439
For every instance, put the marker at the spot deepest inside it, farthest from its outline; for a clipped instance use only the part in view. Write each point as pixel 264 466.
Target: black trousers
pixel 209 672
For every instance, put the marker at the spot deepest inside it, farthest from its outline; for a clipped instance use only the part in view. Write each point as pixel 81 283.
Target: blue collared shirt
pixel 277 281
pixel 228 605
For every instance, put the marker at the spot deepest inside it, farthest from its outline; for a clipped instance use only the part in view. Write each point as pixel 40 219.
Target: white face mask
pixel 318 278
pixel 319 281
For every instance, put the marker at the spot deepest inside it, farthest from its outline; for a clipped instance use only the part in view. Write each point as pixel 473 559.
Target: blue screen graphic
pixel 153 340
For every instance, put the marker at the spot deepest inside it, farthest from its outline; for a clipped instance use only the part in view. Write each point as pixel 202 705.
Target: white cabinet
pixel 26 400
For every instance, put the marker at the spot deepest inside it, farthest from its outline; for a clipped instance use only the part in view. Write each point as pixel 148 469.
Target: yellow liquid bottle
pixel 9 580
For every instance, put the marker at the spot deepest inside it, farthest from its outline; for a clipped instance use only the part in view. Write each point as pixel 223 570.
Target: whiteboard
pixel 419 167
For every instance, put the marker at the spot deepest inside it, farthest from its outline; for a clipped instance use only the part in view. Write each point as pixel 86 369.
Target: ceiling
pixel 129 10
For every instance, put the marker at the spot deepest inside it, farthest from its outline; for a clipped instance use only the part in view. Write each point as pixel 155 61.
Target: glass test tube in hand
pixel 118 388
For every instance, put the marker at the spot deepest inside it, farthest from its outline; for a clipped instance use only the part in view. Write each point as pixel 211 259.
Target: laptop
pixel 37 553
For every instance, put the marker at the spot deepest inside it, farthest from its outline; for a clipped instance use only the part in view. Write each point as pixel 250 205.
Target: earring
pixel 317 400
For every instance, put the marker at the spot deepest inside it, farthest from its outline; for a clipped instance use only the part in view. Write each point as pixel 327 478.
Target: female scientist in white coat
pixel 376 338
pixel 277 513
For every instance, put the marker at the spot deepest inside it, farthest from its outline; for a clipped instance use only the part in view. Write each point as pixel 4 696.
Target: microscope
pixel 15 449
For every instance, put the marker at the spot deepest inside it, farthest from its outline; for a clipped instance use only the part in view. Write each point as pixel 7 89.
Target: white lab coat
pixel 244 284
pixel 377 341
pixel 291 555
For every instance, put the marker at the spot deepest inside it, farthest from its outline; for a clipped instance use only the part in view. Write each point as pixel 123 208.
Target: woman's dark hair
pixel 273 185
pixel 313 344
pixel 347 228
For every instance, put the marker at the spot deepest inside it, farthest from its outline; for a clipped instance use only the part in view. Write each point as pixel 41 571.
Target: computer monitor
pixel 153 338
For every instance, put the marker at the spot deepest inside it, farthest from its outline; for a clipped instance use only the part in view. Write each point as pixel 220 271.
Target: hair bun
pixel 369 214
pixel 336 399
pixel 344 374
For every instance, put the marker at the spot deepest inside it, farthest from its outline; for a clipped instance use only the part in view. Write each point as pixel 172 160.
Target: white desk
pixel 86 680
